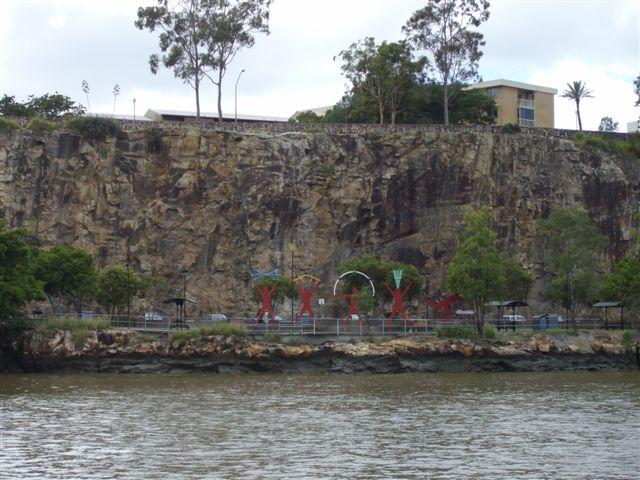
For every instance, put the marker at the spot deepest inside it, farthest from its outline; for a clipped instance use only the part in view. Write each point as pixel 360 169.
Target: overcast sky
pixel 49 45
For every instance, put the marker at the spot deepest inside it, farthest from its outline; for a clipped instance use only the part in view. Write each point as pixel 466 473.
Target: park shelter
pixel 607 306
pixel 180 303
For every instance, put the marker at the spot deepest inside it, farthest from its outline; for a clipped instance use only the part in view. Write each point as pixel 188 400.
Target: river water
pixel 441 426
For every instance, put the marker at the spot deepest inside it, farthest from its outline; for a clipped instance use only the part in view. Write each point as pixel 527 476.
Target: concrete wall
pixel 543 103
pixel 507 102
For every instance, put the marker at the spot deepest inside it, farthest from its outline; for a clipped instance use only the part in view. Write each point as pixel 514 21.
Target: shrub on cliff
pixel 39 124
pixel 624 146
pixel 6 124
pixel 95 128
pixel 511 128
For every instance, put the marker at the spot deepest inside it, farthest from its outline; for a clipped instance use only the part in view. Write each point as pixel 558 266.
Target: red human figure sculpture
pixel 306 294
pixel 353 304
pixel 444 305
pixel 398 296
pixel 265 295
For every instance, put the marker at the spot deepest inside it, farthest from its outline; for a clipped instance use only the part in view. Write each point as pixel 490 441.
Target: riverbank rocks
pixel 419 352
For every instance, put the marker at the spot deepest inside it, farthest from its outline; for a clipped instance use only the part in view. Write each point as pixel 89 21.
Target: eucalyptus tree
pixel 231 26
pixel 386 73
pixel 576 91
pixel 477 271
pixel 445 30
pixel 183 40
pixel 572 244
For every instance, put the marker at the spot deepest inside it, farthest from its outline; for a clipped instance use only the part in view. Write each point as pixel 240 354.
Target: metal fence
pixel 320 326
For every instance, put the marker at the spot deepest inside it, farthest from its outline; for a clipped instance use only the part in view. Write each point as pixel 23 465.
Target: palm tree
pixel 576 92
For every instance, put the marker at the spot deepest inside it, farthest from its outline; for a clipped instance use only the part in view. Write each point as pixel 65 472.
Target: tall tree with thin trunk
pixel 231 26
pixel 183 39
pixel 385 73
pixel 444 29
pixel 576 92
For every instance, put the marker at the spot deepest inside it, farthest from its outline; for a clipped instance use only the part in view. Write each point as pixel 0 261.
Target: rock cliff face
pixel 221 202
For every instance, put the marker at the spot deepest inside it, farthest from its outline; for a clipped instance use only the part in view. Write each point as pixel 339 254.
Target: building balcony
pixel 525 103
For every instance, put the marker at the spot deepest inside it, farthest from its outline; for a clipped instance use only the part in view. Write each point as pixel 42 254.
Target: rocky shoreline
pixel 128 352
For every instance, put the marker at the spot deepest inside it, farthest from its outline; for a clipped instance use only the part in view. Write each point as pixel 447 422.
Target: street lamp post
pixel 236 96
pixel 185 274
pixel 128 268
pixel 426 275
pixel 134 109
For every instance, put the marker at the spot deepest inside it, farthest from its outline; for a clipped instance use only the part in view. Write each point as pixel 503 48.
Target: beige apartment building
pixel 521 103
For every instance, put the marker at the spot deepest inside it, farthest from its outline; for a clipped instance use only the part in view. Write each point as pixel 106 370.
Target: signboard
pixel 397 277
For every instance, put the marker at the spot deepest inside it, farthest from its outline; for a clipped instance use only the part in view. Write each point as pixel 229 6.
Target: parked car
pixel 512 318
pixel 215 318
pixel 153 316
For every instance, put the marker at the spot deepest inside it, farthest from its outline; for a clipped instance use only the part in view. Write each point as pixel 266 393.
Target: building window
pixel 492 92
pixel 526 117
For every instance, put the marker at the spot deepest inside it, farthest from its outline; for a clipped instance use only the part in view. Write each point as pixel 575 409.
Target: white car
pixel 153 316
pixel 512 318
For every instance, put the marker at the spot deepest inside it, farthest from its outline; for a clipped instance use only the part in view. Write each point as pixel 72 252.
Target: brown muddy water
pixel 440 426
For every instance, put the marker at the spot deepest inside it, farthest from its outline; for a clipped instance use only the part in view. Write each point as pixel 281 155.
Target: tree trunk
pixel 578 113
pixel 220 96
pixel 381 112
pixel 197 98
pixel 446 103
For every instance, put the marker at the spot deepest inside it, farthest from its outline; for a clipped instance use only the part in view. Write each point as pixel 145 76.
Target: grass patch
pixel 490 332
pixel 326 169
pixel 456 332
pixel 223 329
pixel 96 128
pixel 272 337
pixel 8 124
pixel 627 338
pixel 627 146
pixel 73 325
pixel 79 336
pixel 39 124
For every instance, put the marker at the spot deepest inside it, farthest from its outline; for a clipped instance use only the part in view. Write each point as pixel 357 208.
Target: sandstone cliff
pixel 220 202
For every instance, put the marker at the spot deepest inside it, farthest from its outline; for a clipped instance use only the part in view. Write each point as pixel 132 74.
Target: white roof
pixel 320 111
pixel 119 116
pixel 510 83
pixel 156 113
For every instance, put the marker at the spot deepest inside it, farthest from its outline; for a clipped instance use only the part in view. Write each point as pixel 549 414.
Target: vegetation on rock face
pixel 39 124
pixel 511 128
pixel 457 332
pixel 6 124
pixel 572 243
pixel 73 325
pixel 95 128
pixel 627 146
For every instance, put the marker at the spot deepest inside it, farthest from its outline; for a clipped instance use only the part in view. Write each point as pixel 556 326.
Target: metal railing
pixel 371 326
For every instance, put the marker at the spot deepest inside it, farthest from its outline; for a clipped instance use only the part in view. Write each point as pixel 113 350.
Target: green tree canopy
pixel 572 243
pixel 445 30
pixel 607 124
pixel 68 275
pixel 384 72
pixel 381 273
pixel 284 289
pixel 48 105
pixel 518 281
pixel 623 283
pixel 18 285
pixel 116 287
pixel 200 38
pixel 477 271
